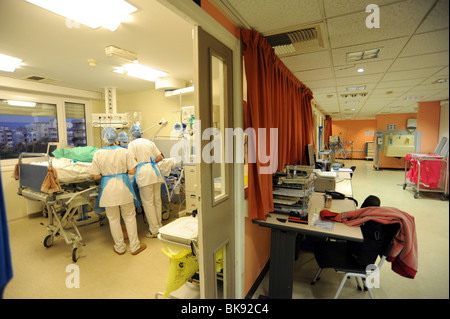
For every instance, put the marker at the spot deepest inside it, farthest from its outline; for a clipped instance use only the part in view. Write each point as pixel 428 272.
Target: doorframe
pixel 195 15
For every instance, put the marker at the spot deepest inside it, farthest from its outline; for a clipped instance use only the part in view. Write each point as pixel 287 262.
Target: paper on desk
pixel 318 222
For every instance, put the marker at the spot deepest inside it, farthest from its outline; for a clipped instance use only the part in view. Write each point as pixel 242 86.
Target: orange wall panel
pixel 355 131
pixel 257 252
pixel 398 119
pixel 428 118
pixel 219 17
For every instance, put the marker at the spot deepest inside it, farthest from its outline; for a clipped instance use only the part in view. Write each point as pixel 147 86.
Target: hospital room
pixel 82 97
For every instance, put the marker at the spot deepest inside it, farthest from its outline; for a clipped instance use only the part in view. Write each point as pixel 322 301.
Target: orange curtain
pixel 328 132
pixel 275 99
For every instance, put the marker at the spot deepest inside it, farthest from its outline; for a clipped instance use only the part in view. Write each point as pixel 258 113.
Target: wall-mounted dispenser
pixel 411 125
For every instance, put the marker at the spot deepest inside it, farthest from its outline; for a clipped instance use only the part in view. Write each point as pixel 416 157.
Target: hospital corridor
pixel 214 150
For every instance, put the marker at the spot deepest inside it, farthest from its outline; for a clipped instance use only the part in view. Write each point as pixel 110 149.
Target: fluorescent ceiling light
pixel 413 97
pixel 441 81
pixel 9 63
pixel 363 55
pixel 92 13
pixel 360 70
pixel 21 103
pixel 140 71
pixel 121 53
pixel 356 88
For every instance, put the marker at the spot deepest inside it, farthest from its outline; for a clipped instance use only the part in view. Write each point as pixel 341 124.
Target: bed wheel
pixel 48 241
pixel 416 195
pixel 75 255
pixel 404 186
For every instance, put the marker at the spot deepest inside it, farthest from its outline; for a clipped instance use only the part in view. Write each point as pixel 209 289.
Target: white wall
pixel 153 106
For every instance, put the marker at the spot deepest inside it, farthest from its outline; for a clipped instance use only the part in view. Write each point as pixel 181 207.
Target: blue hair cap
pixel 135 130
pixel 109 135
pixel 123 137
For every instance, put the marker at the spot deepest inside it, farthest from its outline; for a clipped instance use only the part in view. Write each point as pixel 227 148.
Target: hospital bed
pixel 77 193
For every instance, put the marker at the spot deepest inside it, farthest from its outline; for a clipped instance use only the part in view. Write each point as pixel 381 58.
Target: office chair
pixel 340 255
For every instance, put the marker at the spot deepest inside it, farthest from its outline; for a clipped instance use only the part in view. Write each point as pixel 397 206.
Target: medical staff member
pixel 123 139
pixel 148 177
pixel 111 165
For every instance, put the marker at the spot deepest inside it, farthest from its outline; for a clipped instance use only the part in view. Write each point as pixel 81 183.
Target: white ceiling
pixel 413 36
pixel 56 49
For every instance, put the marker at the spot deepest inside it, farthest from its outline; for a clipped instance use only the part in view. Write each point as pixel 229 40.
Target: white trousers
pixel 128 212
pixel 151 200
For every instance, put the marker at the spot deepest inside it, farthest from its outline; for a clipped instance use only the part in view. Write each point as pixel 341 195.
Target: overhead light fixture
pixel 356 88
pixel 21 103
pixel 413 97
pixel 351 102
pixel 363 55
pixel 9 63
pixel 92 13
pixel 441 81
pixel 114 51
pixel 360 70
pixel 140 71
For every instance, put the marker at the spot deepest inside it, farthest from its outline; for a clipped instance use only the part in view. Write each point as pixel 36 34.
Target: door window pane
pixel 26 127
pixel 218 90
pixel 75 124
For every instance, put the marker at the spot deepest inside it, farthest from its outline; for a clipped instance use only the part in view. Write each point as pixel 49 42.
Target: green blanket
pixel 81 154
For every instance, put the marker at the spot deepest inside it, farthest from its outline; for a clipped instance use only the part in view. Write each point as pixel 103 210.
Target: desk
pixel 283 235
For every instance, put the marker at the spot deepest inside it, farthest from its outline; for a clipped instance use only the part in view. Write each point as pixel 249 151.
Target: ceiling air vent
pixel 40 79
pixel 302 40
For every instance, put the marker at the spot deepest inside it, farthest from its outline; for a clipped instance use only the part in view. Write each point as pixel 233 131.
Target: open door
pixel 216 214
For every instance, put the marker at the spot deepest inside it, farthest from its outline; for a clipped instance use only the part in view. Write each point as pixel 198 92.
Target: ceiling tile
pixel 438 96
pixel 395 91
pixel 426 43
pixel 359 79
pixel 274 15
pixel 443 72
pixel 410 74
pixel 432 87
pixel 396 84
pixel 342 7
pixel 369 68
pixel 308 61
pixel 437 19
pixel 327 90
pixel 396 20
pixel 432 79
pixel 420 61
pixel 319 74
pixel 319 84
